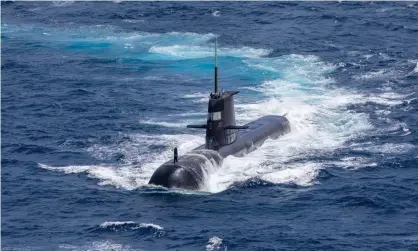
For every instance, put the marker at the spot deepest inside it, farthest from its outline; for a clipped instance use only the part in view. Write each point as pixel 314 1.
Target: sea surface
pixel 95 96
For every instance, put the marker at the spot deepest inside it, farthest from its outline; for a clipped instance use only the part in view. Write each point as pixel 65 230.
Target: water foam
pixel 62 3
pixel 176 52
pixel 215 243
pixel 387 148
pixel 378 75
pixel 216 13
pixel 415 70
pixel 133 225
pixel 139 162
pixel 115 223
pixel 98 246
pixel 198 97
pixel 165 123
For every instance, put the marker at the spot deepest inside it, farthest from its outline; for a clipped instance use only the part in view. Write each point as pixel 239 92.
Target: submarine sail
pixel 223 138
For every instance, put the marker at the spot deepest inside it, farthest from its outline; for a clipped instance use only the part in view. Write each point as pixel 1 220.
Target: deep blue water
pixel 96 95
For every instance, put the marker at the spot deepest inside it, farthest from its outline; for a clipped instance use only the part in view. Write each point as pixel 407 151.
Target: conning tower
pixel 221 128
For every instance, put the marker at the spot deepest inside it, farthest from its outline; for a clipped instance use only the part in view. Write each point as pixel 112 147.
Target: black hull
pixel 192 169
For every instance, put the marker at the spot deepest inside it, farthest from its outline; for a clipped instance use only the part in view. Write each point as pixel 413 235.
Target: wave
pixel 165 123
pixel 387 148
pixel 98 246
pixel 379 74
pixel 215 243
pixel 216 13
pixel 415 70
pixel 139 160
pixel 118 225
pixel 115 223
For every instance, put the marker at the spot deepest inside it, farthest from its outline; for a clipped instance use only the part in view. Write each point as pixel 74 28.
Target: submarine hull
pixel 192 169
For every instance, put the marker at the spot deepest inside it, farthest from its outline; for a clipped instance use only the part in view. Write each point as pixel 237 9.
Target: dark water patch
pixel 30 149
pixel 98 61
pixel 325 175
pixel 79 92
pixel 121 16
pixel 9 64
pixel 359 201
pixel 251 183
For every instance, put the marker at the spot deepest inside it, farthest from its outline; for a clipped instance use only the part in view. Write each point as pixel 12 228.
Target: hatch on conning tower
pixel 221 128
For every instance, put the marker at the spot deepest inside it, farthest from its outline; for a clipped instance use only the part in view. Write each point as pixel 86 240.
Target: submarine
pixel 223 138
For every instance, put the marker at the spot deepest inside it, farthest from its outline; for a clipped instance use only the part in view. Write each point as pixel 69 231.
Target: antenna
pixel 216 65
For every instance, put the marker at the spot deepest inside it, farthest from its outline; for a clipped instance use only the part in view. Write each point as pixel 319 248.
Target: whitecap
pixel 133 20
pixel 216 13
pixel 99 246
pixel 133 225
pixel 150 225
pixel 415 70
pixel 115 223
pixel 215 243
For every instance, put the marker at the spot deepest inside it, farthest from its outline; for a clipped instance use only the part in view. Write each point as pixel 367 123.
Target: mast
pixel 216 65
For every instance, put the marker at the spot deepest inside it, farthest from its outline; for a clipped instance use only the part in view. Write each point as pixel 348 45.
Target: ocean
pixel 95 96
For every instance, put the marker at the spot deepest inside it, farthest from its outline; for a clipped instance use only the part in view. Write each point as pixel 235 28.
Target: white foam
pixel 388 148
pixel 155 78
pixel 139 162
pixel 133 21
pixel 214 243
pixel 62 3
pixel 415 70
pixel 387 98
pixel 354 162
pixel 216 13
pixel 197 95
pixel 302 174
pixel 136 147
pixel 98 246
pixel 108 224
pixel 128 46
pixel 318 117
pixel 384 56
pixel 165 123
pixel 199 51
pixel 199 36
pixel 381 74
pixel 150 225
pixel 367 56
pixel 115 223
pixel 126 177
